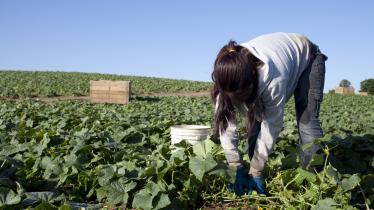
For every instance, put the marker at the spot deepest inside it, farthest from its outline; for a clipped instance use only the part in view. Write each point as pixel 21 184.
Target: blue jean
pixel 308 97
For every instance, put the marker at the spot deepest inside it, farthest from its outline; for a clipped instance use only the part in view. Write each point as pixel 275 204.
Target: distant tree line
pixel 345 83
pixel 368 86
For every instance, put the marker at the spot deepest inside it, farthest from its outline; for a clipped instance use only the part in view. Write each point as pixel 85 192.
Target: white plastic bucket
pixel 192 133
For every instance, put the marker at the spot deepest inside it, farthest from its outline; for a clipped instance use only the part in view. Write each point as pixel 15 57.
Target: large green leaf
pixel 118 191
pixel 178 157
pixel 150 197
pixel 318 159
pixel 51 166
pixel 351 182
pixel 8 197
pixel 204 148
pixel 105 173
pixel 325 204
pixel 305 175
pixel 101 193
pixel 143 199
pixel 162 200
pixel 43 144
pixel 200 165
pixel 13 149
pixel 47 197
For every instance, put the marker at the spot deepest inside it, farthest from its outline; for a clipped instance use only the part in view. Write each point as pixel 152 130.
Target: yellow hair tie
pixel 232 50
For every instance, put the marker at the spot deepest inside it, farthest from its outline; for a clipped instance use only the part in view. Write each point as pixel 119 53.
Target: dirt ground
pixel 193 94
pixel 225 206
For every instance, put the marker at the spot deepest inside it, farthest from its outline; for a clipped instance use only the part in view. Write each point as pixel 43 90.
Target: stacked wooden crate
pixel 345 90
pixel 363 93
pixel 107 91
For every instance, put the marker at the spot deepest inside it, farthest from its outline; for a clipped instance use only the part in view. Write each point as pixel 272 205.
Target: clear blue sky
pixel 177 39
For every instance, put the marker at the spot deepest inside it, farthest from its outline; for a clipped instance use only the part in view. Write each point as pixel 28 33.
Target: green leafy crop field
pixel 72 154
pixel 17 84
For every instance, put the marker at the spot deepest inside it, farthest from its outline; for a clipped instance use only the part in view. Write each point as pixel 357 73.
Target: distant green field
pixel 29 84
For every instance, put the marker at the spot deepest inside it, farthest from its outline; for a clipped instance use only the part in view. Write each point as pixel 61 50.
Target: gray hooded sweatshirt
pixel 285 57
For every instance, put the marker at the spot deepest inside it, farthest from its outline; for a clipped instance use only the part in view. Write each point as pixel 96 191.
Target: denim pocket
pixel 319 63
pixel 317 74
pixel 314 102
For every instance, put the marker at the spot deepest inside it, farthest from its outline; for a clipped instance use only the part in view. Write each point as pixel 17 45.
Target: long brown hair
pixel 235 81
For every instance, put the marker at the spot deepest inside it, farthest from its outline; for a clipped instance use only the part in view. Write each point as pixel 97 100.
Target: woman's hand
pixel 241 181
pixel 258 184
pixel 245 183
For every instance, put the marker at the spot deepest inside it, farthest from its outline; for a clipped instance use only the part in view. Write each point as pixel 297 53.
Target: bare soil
pixel 225 206
pixel 193 94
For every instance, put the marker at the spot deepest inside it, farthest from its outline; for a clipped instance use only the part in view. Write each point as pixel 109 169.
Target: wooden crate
pixel 107 91
pixel 345 90
pixel 363 93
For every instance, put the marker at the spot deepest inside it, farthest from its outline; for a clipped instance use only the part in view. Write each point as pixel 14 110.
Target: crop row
pixel 74 154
